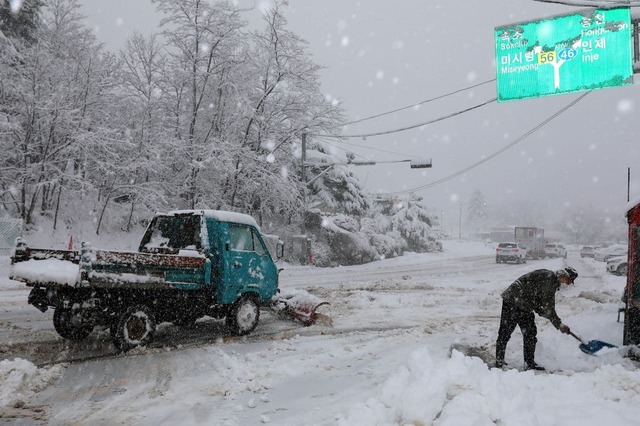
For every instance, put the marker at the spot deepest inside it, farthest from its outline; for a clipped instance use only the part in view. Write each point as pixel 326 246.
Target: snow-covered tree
pixel 283 101
pixel 588 224
pixel 20 19
pixel 336 187
pixel 203 46
pixel 477 210
pixel 55 102
pixel 204 114
pixel 148 142
pixel 414 222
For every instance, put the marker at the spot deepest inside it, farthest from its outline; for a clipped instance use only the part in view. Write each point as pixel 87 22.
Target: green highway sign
pixel 589 49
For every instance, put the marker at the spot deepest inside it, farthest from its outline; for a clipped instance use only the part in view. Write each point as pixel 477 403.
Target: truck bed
pixel 109 269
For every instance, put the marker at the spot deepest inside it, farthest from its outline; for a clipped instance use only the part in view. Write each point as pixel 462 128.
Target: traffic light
pixel 420 164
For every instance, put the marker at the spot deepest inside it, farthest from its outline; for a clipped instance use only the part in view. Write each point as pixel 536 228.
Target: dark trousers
pixel 510 317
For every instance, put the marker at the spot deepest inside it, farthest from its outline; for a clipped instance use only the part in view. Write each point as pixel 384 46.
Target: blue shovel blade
pixel 594 346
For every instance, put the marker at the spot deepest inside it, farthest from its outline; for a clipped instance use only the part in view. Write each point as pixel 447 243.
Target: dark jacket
pixel 536 291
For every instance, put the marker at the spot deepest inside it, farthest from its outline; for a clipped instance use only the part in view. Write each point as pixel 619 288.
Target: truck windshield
pixel 172 232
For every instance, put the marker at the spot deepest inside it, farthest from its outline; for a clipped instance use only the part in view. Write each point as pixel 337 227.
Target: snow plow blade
pixel 300 306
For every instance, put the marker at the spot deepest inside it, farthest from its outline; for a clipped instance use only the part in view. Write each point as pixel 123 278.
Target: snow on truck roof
pixel 220 215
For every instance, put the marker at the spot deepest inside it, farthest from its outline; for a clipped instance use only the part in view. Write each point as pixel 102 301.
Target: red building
pixel 632 289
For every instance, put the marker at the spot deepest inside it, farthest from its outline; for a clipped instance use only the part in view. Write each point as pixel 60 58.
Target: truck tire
pixel 63 322
pixel 135 327
pixel 243 316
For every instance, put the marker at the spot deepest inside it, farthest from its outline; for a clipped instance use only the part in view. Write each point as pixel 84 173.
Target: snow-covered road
pixel 385 359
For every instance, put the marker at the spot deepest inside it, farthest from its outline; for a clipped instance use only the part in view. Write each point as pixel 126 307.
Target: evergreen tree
pixel 414 222
pixel 20 19
pixel 477 210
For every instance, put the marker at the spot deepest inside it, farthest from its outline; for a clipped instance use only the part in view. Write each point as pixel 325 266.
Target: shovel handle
pixel 577 337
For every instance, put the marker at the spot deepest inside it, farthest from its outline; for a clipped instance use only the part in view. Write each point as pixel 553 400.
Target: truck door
pixel 249 265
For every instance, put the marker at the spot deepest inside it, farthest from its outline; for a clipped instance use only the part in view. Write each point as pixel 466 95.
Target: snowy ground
pixel 385 360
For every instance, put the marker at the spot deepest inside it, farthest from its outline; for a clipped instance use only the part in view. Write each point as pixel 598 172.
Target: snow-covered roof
pixel 631 205
pixel 220 215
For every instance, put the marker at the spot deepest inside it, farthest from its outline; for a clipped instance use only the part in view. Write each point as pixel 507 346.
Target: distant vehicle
pixel 604 254
pixel 511 251
pixel 617 265
pixel 555 250
pixel 532 239
pixel 588 251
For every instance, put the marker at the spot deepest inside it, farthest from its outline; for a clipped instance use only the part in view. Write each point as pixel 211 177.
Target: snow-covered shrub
pixel 351 248
pixel 340 242
pixel 389 245
pixel 348 223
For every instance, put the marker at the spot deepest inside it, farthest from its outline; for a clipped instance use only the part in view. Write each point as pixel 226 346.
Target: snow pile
pixel 463 391
pixel 47 270
pixel 21 379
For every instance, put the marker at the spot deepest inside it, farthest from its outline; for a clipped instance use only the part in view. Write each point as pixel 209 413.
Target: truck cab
pixel 239 259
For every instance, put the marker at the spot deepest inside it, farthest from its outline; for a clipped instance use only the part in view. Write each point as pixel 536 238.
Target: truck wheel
pixel 135 327
pixel 243 316
pixel 69 326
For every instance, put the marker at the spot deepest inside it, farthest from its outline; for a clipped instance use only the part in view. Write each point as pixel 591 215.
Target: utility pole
pixel 304 199
pixel 460 223
pixel 304 178
pixel 460 220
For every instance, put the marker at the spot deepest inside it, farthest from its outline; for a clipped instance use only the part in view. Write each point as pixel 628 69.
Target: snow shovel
pixel 592 346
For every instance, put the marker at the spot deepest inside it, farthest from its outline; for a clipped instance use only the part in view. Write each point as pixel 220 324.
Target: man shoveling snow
pixel 532 292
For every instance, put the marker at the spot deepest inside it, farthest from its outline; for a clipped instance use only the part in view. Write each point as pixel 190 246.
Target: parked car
pixel 511 251
pixel 617 265
pixel 555 250
pixel 604 254
pixel 588 251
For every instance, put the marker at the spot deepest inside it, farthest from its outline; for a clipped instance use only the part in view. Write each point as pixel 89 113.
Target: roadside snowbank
pixel 462 391
pixel 21 379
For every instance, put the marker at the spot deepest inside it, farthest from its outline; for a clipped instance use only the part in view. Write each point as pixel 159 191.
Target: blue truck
pixel 189 264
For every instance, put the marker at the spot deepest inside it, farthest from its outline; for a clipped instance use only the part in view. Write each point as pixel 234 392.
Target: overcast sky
pixel 381 56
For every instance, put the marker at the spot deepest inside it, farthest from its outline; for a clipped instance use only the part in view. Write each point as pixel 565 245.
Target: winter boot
pixel 501 364
pixel 533 366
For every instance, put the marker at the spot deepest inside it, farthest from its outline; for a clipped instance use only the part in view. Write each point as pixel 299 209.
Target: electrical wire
pixel 387 132
pixel 418 104
pixel 496 153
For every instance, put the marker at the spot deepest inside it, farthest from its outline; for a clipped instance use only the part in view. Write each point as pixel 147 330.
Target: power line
pixel 418 104
pixel 495 154
pixel 365 135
